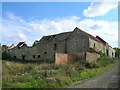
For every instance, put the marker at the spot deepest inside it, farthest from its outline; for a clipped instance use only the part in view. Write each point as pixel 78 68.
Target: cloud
pixel 47 27
pixel 99 8
pixel 18 37
pixel 15 30
pixel 108 30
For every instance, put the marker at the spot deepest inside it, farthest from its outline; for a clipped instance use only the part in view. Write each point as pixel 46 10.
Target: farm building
pixel 76 43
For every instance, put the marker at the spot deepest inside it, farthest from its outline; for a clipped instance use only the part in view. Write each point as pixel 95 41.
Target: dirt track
pixel 108 79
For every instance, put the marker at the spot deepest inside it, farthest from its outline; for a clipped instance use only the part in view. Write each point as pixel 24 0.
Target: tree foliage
pixel 117 50
pixel 3 52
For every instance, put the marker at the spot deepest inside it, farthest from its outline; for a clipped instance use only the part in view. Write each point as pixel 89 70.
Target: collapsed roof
pixel 12 46
pixel 20 44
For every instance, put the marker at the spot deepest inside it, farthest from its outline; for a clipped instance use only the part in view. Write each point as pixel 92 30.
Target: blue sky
pixel 41 10
pixel 29 21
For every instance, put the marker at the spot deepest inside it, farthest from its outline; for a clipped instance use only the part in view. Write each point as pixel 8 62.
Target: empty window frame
pixel 55 47
pixel 107 52
pixel 38 56
pixel 45 52
pixel 33 56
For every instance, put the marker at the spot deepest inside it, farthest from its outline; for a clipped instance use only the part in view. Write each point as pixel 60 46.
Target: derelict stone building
pixel 76 42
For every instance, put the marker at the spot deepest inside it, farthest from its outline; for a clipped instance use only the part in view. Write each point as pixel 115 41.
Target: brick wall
pixel 91 57
pixel 61 58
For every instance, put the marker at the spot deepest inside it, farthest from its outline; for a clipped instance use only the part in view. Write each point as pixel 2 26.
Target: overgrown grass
pixel 34 75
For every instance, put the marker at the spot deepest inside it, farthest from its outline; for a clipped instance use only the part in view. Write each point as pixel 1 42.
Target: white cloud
pixel 13 30
pixel 107 30
pixel 47 27
pixel 99 8
pixel 21 30
pixel 18 37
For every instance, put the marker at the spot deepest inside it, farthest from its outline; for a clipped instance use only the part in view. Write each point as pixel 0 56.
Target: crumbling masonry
pixel 77 43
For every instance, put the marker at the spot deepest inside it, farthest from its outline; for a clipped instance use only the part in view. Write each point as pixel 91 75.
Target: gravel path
pixel 108 79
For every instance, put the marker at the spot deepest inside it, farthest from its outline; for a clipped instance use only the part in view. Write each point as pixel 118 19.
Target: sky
pixel 30 21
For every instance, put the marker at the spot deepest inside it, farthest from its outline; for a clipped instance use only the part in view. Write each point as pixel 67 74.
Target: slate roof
pixel 56 37
pixel 63 36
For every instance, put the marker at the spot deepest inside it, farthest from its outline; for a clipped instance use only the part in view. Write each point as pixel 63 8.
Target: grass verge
pixel 37 75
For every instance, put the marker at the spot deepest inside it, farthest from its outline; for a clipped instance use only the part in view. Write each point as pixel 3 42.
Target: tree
pixel 3 52
pixel 117 51
pixel 4 47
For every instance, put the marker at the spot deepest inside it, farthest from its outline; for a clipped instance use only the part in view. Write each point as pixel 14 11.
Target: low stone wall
pixel 91 57
pixel 61 58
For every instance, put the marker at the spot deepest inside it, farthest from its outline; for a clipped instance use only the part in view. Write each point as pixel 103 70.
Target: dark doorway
pixel 55 46
pixel 107 52
pixel 14 56
pixel 23 57
pixel 94 46
pixel 33 56
pixel 85 55
pixel 112 54
pixel 38 56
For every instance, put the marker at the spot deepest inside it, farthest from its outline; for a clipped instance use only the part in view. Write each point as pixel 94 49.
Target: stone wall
pixel 61 58
pixel 101 47
pixel 111 52
pixel 97 45
pixel 75 43
pixel 91 57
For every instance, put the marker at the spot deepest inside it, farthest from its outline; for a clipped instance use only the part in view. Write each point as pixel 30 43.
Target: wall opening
pixel 107 52
pixel 112 54
pixel 94 46
pixel 14 56
pixel 33 56
pixel 45 52
pixel 38 56
pixel 55 47
pixel 23 57
pixel 85 55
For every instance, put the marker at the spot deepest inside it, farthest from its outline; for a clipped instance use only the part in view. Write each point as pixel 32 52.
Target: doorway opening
pixel 23 57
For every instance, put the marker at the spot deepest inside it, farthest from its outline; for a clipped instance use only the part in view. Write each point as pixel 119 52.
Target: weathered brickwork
pixel 91 57
pixel 61 58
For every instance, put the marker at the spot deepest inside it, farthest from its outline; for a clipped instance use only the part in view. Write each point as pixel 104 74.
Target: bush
pixel 90 65
pixel 101 54
pixel 31 75
pixel 5 56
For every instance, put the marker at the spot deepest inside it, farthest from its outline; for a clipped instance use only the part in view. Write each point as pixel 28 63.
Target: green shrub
pixel 5 56
pixel 79 67
pixel 101 54
pixel 90 65
pixel 31 75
